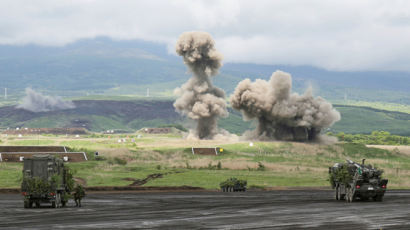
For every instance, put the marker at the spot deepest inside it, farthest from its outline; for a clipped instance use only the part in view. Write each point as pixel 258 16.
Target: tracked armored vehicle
pixel 46 180
pixel 353 181
pixel 233 185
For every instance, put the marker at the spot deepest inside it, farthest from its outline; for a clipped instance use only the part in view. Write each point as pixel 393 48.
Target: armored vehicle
pixel 46 180
pixel 233 185
pixel 353 181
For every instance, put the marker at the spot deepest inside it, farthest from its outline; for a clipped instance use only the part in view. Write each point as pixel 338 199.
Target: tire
pixel 378 198
pixel 58 200
pixel 53 204
pixel 341 196
pixel 26 204
pixel 337 193
pixel 37 204
pixel 364 198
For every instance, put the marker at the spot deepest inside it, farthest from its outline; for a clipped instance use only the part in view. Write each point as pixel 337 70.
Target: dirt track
pixel 213 210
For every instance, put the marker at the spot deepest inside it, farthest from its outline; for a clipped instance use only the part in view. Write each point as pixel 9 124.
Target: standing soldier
pixel 79 193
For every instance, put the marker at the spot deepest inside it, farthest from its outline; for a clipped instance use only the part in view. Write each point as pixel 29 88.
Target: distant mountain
pixel 104 66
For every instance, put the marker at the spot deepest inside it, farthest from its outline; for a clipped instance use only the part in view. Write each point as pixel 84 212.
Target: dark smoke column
pixel 198 98
pixel 281 114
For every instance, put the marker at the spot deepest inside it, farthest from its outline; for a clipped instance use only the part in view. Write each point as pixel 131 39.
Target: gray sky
pixel 337 35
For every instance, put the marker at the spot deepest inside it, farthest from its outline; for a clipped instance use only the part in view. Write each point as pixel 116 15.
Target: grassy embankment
pixel 266 164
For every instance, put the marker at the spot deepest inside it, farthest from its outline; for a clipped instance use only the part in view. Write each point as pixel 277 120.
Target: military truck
pixel 233 185
pixel 46 180
pixel 353 181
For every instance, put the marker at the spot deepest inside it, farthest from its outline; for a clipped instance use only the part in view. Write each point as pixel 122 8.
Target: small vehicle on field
pixel 233 185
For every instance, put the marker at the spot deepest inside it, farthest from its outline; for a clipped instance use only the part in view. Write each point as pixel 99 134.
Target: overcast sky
pixel 337 35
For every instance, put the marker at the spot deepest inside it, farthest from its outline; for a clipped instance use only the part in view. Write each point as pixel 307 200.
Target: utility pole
pixel 5 93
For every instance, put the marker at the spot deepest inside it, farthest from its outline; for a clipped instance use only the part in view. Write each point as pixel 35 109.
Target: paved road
pixel 207 210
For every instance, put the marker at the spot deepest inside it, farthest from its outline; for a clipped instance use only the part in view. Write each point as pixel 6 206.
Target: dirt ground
pixel 307 209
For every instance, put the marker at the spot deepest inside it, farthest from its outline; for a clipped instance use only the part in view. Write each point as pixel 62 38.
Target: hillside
pixel 130 115
pixel 105 67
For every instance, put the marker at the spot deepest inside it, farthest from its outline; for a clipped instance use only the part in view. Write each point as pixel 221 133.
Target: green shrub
pixel 232 182
pixel 261 167
pixel 119 161
pixel 219 165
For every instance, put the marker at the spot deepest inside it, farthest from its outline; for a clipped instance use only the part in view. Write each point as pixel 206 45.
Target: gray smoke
pixel 198 98
pixel 37 102
pixel 281 114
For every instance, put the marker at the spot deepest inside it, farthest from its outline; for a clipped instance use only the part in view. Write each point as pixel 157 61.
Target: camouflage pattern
pixel 233 185
pixel 353 181
pixel 79 193
pixel 46 180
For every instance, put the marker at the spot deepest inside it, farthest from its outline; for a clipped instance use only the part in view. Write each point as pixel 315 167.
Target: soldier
pixel 79 193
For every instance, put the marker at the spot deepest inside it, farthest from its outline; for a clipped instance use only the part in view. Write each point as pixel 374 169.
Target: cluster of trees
pixel 375 138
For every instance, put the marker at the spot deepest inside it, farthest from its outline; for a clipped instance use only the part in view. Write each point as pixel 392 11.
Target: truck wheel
pixel 53 204
pixel 341 196
pixel 30 204
pixel 378 198
pixel 337 194
pixel 58 200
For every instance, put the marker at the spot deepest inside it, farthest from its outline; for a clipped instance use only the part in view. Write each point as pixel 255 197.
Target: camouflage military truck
pixel 233 185
pixel 353 181
pixel 46 180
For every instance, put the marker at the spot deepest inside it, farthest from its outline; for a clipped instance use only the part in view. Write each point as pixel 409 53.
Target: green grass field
pixel 265 164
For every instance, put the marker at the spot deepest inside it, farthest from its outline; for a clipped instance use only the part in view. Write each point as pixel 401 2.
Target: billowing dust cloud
pixel 198 98
pixel 281 114
pixel 37 102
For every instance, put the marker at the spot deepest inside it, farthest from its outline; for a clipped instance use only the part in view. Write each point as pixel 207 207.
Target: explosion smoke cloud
pixel 37 102
pixel 198 98
pixel 282 115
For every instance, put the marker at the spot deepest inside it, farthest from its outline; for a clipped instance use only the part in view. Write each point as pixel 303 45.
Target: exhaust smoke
pixel 37 102
pixel 281 114
pixel 198 98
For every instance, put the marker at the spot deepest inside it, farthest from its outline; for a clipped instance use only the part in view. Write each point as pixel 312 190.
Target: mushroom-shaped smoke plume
pixel 198 98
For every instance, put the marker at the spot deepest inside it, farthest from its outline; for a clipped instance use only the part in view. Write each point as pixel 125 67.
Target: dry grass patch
pixel 402 149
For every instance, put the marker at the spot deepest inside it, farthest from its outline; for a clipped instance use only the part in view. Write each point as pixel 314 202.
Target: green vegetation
pixel 32 142
pixel 356 120
pixel 342 175
pixel 265 164
pixel 36 185
pixel 97 116
pixel 404 108
pixel 232 182
pixel 375 138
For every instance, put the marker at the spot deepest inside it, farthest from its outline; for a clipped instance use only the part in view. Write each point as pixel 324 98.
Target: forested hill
pixel 100 115
pixel 103 66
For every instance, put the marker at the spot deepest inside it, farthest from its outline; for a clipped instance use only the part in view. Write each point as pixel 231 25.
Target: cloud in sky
pixel 337 35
